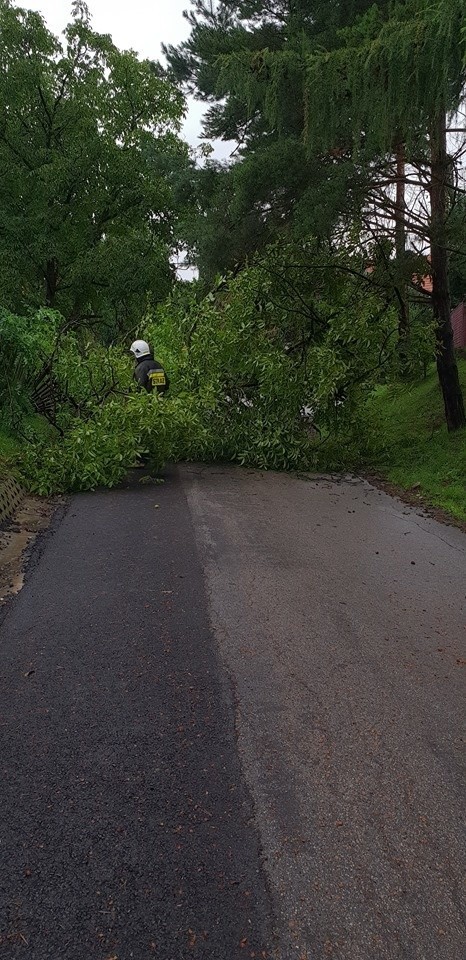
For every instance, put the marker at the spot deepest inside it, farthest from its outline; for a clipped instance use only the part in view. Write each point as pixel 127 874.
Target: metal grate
pixel 11 496
pixel 46 395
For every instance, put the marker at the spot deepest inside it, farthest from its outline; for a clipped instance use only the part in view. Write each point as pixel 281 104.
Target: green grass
pixel 9 450
pixel 9 447
pixel 11 444
pixel 413 447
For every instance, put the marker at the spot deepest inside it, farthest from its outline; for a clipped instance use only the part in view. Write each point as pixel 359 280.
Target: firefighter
pixel 148 372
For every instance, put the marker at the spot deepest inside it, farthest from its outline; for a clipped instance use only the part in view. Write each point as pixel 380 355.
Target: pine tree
pixel 359 92
pixel 386 86
pixel 274 184
pixel 398 80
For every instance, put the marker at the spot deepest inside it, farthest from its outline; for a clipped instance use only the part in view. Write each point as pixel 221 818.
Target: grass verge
pixel 413 448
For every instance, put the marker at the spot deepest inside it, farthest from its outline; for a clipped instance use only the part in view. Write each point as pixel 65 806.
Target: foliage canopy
pixel 85 130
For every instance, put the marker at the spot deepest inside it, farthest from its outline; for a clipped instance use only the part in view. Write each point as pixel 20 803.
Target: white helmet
pixel 140 349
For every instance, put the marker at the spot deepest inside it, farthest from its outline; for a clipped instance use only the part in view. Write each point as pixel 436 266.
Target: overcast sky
pixel 141 25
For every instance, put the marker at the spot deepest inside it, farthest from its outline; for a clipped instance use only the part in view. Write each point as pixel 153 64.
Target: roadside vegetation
pixel 329 250
pixel 414 449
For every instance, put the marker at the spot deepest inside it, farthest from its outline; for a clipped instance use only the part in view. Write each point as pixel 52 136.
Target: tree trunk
pixel 447 367
pixel 400 240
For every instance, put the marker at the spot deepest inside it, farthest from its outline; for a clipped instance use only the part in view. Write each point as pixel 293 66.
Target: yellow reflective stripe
pixel 158 378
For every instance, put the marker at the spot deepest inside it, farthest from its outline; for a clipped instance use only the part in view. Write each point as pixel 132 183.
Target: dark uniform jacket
pixel 150 375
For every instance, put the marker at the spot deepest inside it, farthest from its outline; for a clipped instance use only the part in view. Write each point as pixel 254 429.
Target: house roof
pixel 424 283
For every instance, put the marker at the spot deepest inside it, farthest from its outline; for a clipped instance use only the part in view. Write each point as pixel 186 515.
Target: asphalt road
pixel 231 725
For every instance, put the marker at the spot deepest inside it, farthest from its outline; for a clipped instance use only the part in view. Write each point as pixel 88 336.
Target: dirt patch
pixel 415 499
pixel 17 538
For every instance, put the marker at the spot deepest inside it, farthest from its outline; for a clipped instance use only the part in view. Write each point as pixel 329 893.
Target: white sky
pixel 141 25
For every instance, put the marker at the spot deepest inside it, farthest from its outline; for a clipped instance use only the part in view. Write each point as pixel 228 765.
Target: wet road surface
pixel 231 724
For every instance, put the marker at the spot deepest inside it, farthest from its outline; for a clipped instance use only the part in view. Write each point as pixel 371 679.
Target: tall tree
pixel 86 214
pixel 388 77
pixel 274 185
pixel 400 78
